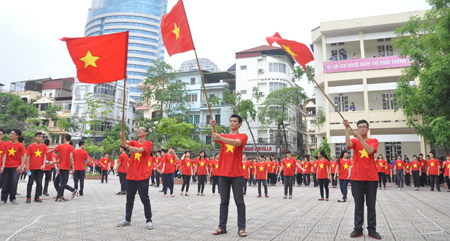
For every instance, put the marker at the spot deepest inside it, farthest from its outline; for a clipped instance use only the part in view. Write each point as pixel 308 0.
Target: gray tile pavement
pixel 401 215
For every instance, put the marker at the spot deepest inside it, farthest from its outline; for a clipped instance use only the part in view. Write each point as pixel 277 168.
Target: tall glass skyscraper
pixel 142 18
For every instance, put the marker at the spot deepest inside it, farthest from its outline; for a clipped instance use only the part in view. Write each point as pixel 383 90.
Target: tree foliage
pixel 178 134
pixel 426 42
pixel 299 72
pixel 14 112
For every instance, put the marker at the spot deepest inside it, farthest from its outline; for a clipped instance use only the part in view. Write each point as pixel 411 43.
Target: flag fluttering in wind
pixel 300 52
pixel 99 59
pixel 175 30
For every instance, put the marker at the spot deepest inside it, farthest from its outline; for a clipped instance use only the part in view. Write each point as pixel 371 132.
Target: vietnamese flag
pixel 175 30
pixel 298 51
pixel 99 59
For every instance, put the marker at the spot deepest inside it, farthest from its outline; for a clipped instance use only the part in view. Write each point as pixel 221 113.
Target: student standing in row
pixel 202 171
pixel 416 172
pixel 245 167
pixel 381 165
pixel 260 174
pixel 80 156
pixel 186 171
pixel 288 166
pixel 433 169
pixel 399 167
pixel 168 170
pixel 65 164
pixel 343 171
pixel 333 167
pixel 214 166
pixel 48 169
pixel 37 153
pixel 323 174
pixel 446 167
pixel 122 167
pixel 307 172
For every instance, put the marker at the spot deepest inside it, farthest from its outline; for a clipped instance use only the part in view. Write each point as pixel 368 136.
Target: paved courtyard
pixel 401 215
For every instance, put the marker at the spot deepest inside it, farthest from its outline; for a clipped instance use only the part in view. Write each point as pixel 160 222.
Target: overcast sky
pixel 30 29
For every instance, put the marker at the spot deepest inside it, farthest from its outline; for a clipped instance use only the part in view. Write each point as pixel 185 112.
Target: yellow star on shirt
pixel 332 165
pixel 432 164
pixel 171 161
pixel 415 165
pixel 176 31
pixel 364 153
pixel 315 165
pixel 136 156
pixel 244 166
pixel 448 166
pixel 288 165
pixel 345 166
pixel 11 152
pixel 288 49
pixel 399 164
pixel 229 148
pixel 217 166
pixel 423 164
pixel 202 164
pixel 188 164
pixel 385 167
pixel 321 166
pixel 37 153
pixel 261 168
pixel 89 60
pixel 268 165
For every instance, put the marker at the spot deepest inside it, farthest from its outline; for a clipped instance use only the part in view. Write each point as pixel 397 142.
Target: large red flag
pixel 99 59
pixel 175 30
pixel 298 51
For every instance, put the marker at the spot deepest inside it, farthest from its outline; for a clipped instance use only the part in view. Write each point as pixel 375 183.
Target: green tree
pixel 97 109
pixel 153 134
pixel 112 141
pixel 325 147
pixel 178 134
pixel 71 124
pixel 426 42
pixel 14 112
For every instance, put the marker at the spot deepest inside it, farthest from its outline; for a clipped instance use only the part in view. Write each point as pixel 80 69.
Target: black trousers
pixel 79 175
pixel 315 179
pixel 381 179
pixel 282 177
pixel 343 184
pixel 48 177
pixel 215 181
pixel 299 178
pixel 416 178
pixel 333 181
pixel 244 184
pixel 9 183
pixel 263 181
pixel 105 175
pixel 365 190
pixel 62 184
pixel 36 176
pixel 447 179
pixel 388 177
pixel 434 179
pixel 400 178
pixel 158 177
pixel 225 186
pixel 201 183
pixel 307 179
pixel 288 184
pixel 142 188
pixel 323 183
pixel 153 177
pixel 111 170
pixel 54 174
pixel 424 179
pixel 408 180
pixel 186 180
pixel 123 181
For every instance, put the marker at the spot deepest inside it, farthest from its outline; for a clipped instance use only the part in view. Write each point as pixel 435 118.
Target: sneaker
pixel 45 194
pixel 123 223
pixel 356 234
pixel 259 195
pixel 74 193
pixel 37 200
pixel 267 195
pixel 290 196
pixel 285 197
pixel 28 200
pixel 2 202
pixel 149 225
pixel 14 202
pixel 375 235
pixel 156 186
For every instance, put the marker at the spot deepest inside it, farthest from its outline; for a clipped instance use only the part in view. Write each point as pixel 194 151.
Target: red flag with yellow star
pixel 300 52
pixel 99 59
pixel 175 30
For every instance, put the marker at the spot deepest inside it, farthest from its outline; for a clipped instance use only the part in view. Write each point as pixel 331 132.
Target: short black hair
pixel 164 150
pixel 158 151
pixel 415 156
pixel 18 132
pixel 262 156
pixel 67 137
pixel 80 143
pixel 170 147
pixel 187 152
pixel 2 130
pixel 236 116
pixel 71 142
pixel 47 142
pixel 38 134
pixel 288 152
pixel 21 139
pixel 362 122
pixel 123 148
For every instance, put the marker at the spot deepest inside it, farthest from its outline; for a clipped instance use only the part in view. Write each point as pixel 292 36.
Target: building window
pixel 192 81
pixel 393 149
pixel 196 119
pixel 341 102
pixel 272 136
pixel 276 86
pixel 192 97
pixel 67 105
pixel 277 67
pixel 208 140
pixel 385 50
pixel 208 117
pixel 104 89
pixel 389 102
pixel 191 119
pixel 338 149
pixel 43 107
pixel 243 67
pixel 243 92
pixel 217 118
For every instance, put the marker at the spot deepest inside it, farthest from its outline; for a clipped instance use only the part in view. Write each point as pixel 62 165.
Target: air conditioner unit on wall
pixel 261 93
pixel 261 71
pixel 260 140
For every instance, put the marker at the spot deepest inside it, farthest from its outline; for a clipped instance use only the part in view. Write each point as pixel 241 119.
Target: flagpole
pixel 123 108
pixel 214 130
pixel 312 77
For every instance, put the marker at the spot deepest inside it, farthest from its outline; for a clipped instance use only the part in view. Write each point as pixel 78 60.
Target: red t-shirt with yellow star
pixel 407 167
pixel 202 166
pixel 344 166
pixel 123 160
pixel 289 166
pixel 138 168
pixel 307 166
pixel 79 156
pixel 315 167
pixel 2 151
pixel 214 167
pixel 170 160
pixel 447 168
pixel 230 160
pixel 381 164
pixel 364 168
pixel 415 165
pixel 433 166
pixel 14 153
pixel 64 151
pixel 36 154
pixel 245 167
pixel 333 167
pixel 158 161
pixel 178 166
pixel 261 169
pixel 387 169
pixel 399 164
pixel 423 163
pixel 50 159
pixel 270 167
pixel 322 166
pixel 104 164
pixel 186 165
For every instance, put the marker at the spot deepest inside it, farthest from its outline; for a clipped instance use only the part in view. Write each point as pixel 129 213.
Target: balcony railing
pixel 365 64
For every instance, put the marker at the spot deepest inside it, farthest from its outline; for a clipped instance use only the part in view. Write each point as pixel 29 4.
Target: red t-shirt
pixel 314 166
pixel 289 166
pixel 364 168
pixel 381 164
pixel 138 168
pixel 307 166
pixel 261 169
pixel 407 168
pixel 64 151
pixel 270 167
pixel 299 171
pixel 214 167
pixel 105 164
pixel 178 166
pixel 112 163
pixel 441 164
pixel 333 167
pixel 36 154
pixel 433 165
pixel 186 165
pixel 14 153
pixel 322 166
pixel 387 169
pixel 399 164
pixel 447 168
pixel 49 159
pixel 151 163
pixel 344 166
pixel 230 160
pixel 415 165
pixel 158 161
pixel 79 157
pixel 423 163
pixel 202 165
pixel 170 161
pixel 245 167
pixel 2 151
pixel 123 160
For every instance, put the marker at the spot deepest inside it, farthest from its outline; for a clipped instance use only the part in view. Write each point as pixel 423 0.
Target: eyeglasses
pixel 362 127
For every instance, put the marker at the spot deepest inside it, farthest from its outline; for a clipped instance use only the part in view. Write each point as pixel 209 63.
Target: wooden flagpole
pixel 123 108
pixel 214 130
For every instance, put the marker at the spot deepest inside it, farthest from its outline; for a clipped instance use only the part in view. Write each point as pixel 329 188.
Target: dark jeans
pixel 365 190
pixel 48 177
pixel 343 184
pixel 447 179
pixel 259 186
pixel 225 186
pixel 244 184
pixel 381 179
pixel 9 183
pixel 123 181
pixel 250 179
pixel 36 176
pixel 63 179
pixel 323 183
pixel 288 184
pixel 158 177
pixel 142 188
pixel 111 170
pixel 168 182
pixel 153 177
pixel 273 178
pixel 408 180
pixel 299 178
pixel 105 175
pixel 416 178
pixel 54 174
pixel 423 179
pixel 215 181
pixel 388 177
pixel 315 179
pixel 201 183
pixel 186 180
pixel 400 180
pixel 307 179
pixel 333 181
pixel 79 176
pixel 434 179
